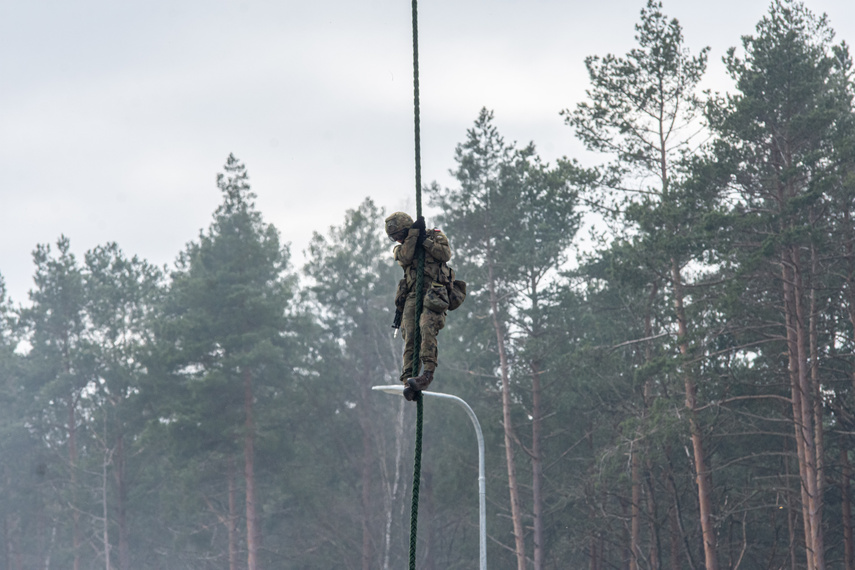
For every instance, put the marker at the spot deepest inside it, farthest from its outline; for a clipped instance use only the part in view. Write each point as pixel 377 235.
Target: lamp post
pixel 482 492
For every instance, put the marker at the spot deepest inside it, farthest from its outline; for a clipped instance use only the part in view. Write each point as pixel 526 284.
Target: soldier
pixel 401 228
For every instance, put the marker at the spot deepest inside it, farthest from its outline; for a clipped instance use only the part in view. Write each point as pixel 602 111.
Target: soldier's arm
pixel 405 252
pixel 436 244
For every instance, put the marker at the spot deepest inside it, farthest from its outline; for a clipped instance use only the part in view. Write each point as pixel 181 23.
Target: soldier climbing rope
pixel 417 461
pixel 423 313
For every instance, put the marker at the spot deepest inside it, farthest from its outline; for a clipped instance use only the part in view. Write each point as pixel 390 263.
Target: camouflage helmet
pixel 397 223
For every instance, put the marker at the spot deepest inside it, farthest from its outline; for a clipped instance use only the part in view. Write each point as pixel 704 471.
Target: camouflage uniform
pixel 437 252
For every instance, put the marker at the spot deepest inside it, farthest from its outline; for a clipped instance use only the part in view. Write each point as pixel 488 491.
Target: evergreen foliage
pixel 679 395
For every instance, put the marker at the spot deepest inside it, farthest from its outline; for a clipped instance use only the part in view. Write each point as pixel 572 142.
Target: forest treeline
pixel 677 394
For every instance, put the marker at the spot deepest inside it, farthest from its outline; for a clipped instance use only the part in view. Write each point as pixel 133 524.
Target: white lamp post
pixel 482 493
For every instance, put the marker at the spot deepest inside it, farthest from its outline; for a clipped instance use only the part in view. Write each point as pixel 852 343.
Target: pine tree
pixel 477 225
pixel 22 471
pixel 513 218
pixel 778 132
pixel 643 110
pixel 226 317
pixel 56 370
pixel 121 296
pixel 352 286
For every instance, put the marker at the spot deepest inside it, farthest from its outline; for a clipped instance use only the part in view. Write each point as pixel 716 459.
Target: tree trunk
pixel 674 537
pixel 678 513
pixel 367 463
pixel 796 395
pixel 703 482
pixel 702 474
pixel 231 520
pixel 516 515
pixel 592 554
pixel 816 397
pixel 850 275
pixel 589 488
pixel 847 469
pixel 536 432
pixel 788 497
pixel 392 492
pixel 626 542
pixel 428 555
pixel 635 509
pixel 655 547
pixel 252 533
pixel 537 465
pixel 122 503
pixel 804 415
pixel 105 514
pixel 72 463
pixel 846 492
pixel 49 553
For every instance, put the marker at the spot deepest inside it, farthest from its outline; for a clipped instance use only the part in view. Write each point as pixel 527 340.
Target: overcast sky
pixel 116 116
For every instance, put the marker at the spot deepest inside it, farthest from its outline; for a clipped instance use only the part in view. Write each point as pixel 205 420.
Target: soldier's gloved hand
pixel 419 224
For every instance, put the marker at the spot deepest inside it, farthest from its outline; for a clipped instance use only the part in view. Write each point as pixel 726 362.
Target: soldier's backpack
pixel 456 290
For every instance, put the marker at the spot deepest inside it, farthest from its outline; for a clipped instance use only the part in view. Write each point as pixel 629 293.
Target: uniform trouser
pixel 430 324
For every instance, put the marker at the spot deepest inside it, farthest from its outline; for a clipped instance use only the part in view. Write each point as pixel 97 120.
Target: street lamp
pixel 482 492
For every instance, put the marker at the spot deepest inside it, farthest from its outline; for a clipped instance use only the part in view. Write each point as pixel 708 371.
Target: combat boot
pixel 409 393
pixel 420 383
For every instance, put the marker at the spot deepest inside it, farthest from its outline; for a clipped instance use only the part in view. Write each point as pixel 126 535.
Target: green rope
pixel 417 333
pixel 417 469
pixel 417 129
pixel 420 252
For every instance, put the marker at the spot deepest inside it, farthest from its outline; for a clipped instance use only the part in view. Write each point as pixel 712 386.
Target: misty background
pixel 197 291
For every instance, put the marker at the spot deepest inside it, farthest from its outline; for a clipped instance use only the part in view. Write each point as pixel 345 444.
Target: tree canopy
pixel 674 389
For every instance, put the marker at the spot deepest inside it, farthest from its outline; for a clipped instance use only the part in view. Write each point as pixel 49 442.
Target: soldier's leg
pixel 408 326
pixel 430 324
